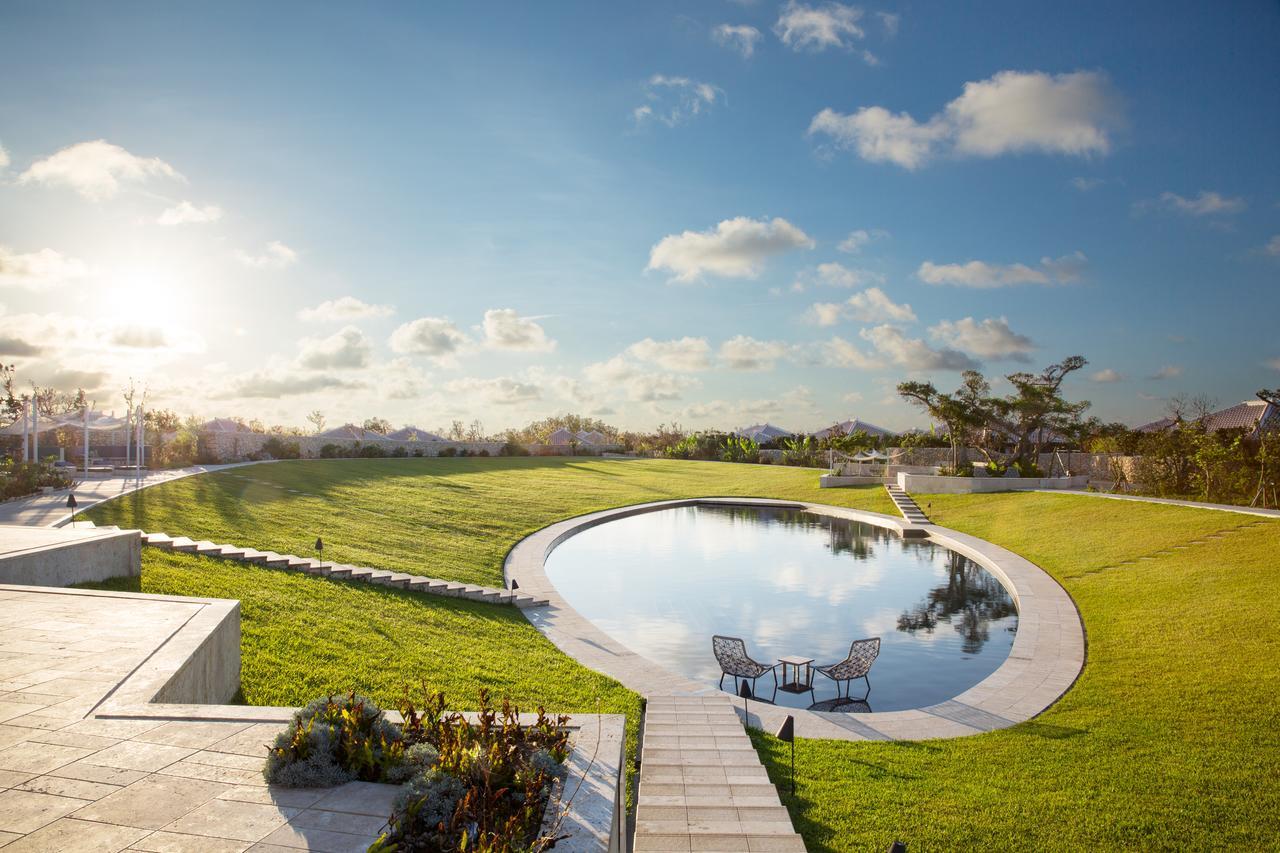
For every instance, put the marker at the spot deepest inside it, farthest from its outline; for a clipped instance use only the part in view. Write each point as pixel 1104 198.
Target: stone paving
pixel 73 778
pixel 906 504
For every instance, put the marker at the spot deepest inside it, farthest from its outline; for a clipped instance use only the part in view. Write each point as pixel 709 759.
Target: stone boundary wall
pixel 72 557
pixel 236 447
pixel 934 485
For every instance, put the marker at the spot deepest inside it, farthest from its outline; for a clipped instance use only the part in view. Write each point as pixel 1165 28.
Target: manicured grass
pixel 447 518
pixel 304 637
pixel 1169 740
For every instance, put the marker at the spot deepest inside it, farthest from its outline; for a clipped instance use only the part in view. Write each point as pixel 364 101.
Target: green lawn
pixel 1169 740
pixel 446 518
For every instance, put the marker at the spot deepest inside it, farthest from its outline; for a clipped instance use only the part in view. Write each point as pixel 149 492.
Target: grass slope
pixel 1169 740
pixel 446 518
pixel 304 636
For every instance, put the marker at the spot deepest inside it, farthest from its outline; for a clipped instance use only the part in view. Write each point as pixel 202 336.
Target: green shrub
pixel 371 451
pixel 399 453
pixel 511 448
pixel 332 741
pixel 331 451
pixel 1029 469
pixel 738 448
pixel 278 448
pixel 448 451
pixel 964 469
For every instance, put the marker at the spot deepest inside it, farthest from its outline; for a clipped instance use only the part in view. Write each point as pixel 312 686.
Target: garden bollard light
pixel 787 734
pixel 320 550
pixel 71 505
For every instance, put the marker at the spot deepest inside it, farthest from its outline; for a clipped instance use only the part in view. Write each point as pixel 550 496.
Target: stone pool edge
pixel 1047 656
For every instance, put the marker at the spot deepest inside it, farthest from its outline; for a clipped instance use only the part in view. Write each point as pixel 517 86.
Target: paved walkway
pixel 702 786
pixel 1243 510
pixel 51 510
pixel 75 779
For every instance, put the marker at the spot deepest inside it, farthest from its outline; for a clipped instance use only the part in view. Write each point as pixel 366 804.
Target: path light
pixel 320 550
pixel 898 847
pixel 515 584
pixel 71 505
pixel 787 734
pixel 744 690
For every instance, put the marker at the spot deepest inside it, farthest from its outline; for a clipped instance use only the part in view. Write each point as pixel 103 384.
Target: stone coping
pixel 1236 508
pixel 1047 656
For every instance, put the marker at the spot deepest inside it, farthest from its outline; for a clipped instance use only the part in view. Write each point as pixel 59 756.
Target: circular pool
pixel 790 583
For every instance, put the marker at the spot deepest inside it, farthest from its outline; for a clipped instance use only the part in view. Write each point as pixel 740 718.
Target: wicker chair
pixel 731 654
pixel 862 653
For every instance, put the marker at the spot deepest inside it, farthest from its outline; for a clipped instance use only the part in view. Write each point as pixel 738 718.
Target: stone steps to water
pixel 341 571
pixel 906 505
pixel 702 786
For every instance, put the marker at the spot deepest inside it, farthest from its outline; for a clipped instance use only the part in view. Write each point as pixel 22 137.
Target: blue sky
pixel 713 213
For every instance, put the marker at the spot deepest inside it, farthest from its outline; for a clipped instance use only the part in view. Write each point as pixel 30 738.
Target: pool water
pixel 790 583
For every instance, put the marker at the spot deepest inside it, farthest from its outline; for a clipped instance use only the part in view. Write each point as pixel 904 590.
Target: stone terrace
pixel 75 776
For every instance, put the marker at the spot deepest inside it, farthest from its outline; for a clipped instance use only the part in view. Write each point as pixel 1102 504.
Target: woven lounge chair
pixel 731 654
pixel 862 653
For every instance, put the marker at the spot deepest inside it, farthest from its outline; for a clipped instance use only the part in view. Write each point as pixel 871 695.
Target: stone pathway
pixel 702 786
pixel 906 504
pixel 418 583
pixel 73 778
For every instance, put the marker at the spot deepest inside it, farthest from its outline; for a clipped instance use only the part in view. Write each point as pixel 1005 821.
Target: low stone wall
pixel 40 556
pixel 835 481
pixel 932 484
pixel 237 447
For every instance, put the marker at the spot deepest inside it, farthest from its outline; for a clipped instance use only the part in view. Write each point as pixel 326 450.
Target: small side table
pixel 797 685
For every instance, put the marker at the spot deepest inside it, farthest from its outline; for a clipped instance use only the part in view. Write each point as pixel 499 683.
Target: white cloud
pixel 4 158
pixel 1272 247
pixel 1273 363
pixel 913 353
pixel 1086 184
pixel 345 349
pixel 504 329
pixel 839 352
pixel 838 275
pixel 1107 375
pixel 184 212
pixel 1169 371
pixel 675 100
pixel 881 136
pixel 616 369
pixel 685 355
pixel 38 270
pixel 980 274
pixel 275 255
pixel 817 28
pixel 343 308
pixel 870 306
pixel 747 353
pixel 435 337
pixel 95 169
pixel 656 387
pixel 138 337
pixel 1207 203
pixel 990 338
pixel 502 390
pixel 740 37
pixel 1011 112
pixel 273 384
pixel 890 22
pixel 859 238
pixel 736 248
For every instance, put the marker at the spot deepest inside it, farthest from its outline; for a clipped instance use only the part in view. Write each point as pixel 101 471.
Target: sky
pixel 713 214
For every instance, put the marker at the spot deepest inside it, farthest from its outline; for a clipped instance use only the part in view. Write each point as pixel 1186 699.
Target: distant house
pixel 412 433
pixel 850 427
pixel 1254 417
pixel 351 432
pixel 763 433
pixel 224 425
pixel 562 436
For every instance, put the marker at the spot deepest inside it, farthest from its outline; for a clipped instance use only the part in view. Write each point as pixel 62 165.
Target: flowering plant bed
pixel 474 786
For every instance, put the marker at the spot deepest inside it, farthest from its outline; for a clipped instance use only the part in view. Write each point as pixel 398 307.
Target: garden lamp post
pixel 787 734
pixel 71 505
pixel 320 551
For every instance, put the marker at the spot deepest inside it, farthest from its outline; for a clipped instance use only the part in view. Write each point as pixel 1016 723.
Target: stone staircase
pixel 312 566
pixel 908 507
pixel 702 786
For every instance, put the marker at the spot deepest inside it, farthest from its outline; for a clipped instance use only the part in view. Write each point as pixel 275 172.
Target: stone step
pixel 682 842
pixel 523 601
pixel 231 552
pixel 704 814
pixel 208 549
pixel 157 540
pixel 276 561
pixel 255 556
pixel 184 545
pixel 399 579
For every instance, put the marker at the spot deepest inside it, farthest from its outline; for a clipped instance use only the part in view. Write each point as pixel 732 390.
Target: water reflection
pixel 789 583
pixel 970 601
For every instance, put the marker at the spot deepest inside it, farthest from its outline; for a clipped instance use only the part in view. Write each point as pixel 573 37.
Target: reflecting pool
pixel 790 583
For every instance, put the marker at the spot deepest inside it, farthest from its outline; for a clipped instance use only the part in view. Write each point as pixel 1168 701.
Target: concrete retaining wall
pixel 38 556
pixel 931 484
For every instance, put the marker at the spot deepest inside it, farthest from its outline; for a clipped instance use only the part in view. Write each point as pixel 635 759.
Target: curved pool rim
pixel 1047 656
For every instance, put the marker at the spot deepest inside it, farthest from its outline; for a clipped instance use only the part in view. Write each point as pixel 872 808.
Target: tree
pixel 1037 407
pixel 457 431
pixel 316 419
pixel 379 425
pixel 475 432
pixel 960 412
